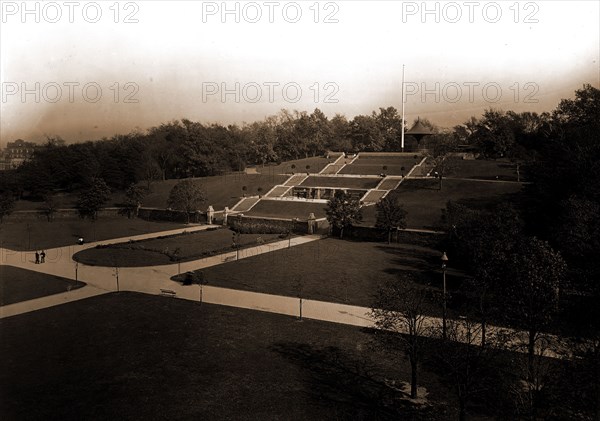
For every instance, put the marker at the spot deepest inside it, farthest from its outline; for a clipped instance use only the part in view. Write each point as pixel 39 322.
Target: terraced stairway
pixel 295 180
pixel 278 191
pixel 373 196
pixel 246 204
pixel 389 183
pixel 335 166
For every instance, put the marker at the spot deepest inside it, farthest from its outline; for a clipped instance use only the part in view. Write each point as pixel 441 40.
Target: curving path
pixel 100 280
pixel 153 279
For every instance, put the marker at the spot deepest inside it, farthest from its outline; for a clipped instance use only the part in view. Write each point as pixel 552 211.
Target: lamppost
pixel 444 263
pixel 236 244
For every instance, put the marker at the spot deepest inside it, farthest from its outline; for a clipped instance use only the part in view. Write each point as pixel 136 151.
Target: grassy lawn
pixel 375 169
pixel 66 201
pixel 134 356
pixel 424 202
pixel 316 164
pixel 18 285
pixel 483 170
pixel 221 191
pixel 40 234
pixel 347 182
pixel 332 270
pixel 407 161
pixel 160 251
pixel 287 209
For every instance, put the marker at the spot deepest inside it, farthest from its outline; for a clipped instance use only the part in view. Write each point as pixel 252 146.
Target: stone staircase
pixel 295 180
pixel 246 204
pixel 373 196
pixel 278 191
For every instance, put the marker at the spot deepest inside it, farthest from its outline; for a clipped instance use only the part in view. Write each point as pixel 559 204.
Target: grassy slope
pixel 287 209
pixel 483 170
pixel 351 183
pixel 424 202
pixel 221 191
pixel 18 285
pixel 316 165
pixel 39 234
pixel 132 356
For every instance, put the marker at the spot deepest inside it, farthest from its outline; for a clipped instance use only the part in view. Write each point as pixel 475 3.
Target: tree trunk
pixel 530 356
pixel 462 414
pixel 341 233
pixel 483 330
pixel 389 236
pixel 413 380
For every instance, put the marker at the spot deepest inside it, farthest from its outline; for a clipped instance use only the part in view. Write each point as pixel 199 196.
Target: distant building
pixel 16 153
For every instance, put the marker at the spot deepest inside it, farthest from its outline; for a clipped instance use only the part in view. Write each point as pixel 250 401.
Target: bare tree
pixel 465 362
pixel 398 312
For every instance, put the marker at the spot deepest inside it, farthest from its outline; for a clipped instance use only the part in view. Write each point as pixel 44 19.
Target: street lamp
pixel 444 259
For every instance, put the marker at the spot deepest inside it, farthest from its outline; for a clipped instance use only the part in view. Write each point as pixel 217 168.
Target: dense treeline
pixel 536 264
pixel 181 149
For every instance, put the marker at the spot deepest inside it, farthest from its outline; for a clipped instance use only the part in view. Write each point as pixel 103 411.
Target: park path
pixel 156 280
pixel 101 279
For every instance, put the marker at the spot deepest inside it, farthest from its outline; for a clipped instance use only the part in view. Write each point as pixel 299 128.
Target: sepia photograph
pixel 300 210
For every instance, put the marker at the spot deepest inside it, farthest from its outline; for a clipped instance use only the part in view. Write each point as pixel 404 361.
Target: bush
pixel 257 226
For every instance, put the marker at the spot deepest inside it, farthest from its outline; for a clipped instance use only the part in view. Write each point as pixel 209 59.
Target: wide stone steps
pixel 295 180
pixel 389 183
pixel 374 196
pixel 278 191
pixel 246 204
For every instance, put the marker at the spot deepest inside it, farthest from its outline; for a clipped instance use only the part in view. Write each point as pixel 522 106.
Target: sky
pixel 86 70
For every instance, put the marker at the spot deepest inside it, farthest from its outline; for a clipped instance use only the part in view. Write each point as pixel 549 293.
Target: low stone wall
pixel 264 225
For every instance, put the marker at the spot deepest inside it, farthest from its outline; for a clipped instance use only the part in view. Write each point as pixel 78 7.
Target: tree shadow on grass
pixel 351 386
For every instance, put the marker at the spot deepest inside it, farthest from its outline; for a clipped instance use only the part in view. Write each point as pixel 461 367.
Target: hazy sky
pixel 68 69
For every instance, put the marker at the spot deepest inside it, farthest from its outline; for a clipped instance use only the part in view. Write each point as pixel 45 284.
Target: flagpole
pixel 402 139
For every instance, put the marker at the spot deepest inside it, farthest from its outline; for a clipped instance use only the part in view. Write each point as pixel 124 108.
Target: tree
pixel 343 211
pixel 390 126
pixel 391 215
pixel 365 134
pixel 444 145
pixel 49 207
pixel 92 198
pixel 186 195
pixel 133 199
pixel 399 314
pixel 464 363
pixel 7 204
pixel 494 134
pixel 481 240
pixel 532 279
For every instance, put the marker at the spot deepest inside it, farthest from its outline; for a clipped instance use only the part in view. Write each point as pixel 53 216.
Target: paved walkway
pixel 100 279
pixel 153 279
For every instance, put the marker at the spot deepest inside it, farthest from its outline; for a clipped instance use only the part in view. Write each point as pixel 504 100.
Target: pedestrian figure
pixel 37 257
pixel 42 256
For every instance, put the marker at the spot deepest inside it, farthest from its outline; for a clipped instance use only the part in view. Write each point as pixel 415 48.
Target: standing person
pixel 37 257
pixel 43 257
